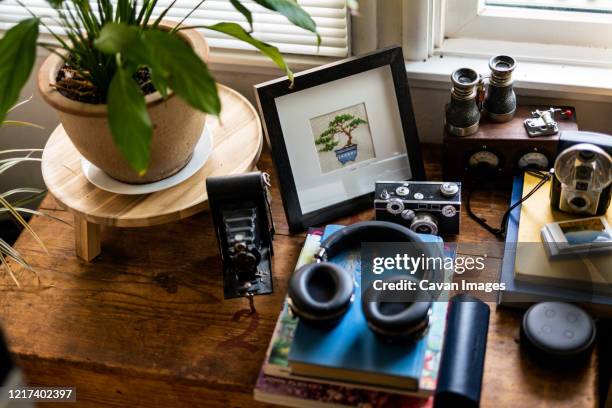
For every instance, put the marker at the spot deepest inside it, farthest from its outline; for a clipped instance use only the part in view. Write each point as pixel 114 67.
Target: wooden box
pixel 496 149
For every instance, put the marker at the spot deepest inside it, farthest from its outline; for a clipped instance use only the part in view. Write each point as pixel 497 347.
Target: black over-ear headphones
pixel 320 293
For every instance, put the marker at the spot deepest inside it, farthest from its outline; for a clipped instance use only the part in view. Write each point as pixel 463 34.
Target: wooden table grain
pixel 145 324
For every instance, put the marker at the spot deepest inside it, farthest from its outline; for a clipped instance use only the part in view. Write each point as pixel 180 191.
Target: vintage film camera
pixel 240 208
pixel 582 174
pixel 427 207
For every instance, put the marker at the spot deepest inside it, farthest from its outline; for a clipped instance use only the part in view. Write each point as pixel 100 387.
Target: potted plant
pixel 343 124
pixel 131 91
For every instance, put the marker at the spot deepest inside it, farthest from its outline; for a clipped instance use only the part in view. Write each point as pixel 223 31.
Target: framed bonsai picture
pixel 338 130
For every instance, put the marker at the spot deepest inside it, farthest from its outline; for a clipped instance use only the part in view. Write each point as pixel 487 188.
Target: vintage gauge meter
pixel 534 160
pixel 498 151
pixel 484 160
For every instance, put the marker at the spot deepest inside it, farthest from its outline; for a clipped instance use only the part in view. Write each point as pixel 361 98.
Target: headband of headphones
pixel 369 231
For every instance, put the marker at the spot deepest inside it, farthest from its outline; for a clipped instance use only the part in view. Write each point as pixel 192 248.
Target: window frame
pixel 476 20
pixel 544 70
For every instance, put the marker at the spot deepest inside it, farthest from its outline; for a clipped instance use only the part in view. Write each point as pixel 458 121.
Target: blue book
pixel 352 352
pixel 523 294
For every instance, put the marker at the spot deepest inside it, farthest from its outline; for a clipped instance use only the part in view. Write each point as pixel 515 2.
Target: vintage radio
pixel 501 150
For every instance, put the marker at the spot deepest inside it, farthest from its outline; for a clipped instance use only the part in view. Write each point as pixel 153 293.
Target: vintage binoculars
pixel 469 101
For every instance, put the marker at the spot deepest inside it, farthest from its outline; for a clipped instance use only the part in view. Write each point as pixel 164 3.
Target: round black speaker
pixel 558 333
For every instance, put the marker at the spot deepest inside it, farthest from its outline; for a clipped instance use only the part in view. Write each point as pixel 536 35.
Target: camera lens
pixel 424 223
pixel 579 203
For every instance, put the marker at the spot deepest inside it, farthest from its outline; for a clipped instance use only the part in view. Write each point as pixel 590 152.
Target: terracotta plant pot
pixel 177 127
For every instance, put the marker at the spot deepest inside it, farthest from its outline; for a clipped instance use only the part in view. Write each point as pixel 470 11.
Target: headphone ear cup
pixel 396 321
pixel 320 293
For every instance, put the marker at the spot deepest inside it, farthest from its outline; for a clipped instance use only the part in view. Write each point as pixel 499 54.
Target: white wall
pixel 428 103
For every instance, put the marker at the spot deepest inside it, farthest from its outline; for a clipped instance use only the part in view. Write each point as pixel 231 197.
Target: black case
pixel 463 354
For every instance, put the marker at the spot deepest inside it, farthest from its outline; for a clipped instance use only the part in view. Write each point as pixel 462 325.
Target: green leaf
pixel 118 38
pixel 129 121
pixel 244 11
pixel 129 42
pixel 56 3
pixel 293 12
pixel 270 51
pixel 17 56
pixel 186 74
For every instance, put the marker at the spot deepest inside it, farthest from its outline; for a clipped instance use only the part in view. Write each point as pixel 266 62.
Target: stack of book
pixel 348 365
pixel 528 274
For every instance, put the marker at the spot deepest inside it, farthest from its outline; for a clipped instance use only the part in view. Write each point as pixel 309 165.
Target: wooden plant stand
pixel 238 140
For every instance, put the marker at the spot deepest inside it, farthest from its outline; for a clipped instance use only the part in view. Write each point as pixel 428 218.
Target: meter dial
pixel 483 159
pixel 533 160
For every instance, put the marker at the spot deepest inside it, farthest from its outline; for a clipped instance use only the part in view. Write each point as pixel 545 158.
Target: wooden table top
pixel 238 140
pixel 145 324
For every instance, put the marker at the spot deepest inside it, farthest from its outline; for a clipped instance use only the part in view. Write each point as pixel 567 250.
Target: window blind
pixel 330 15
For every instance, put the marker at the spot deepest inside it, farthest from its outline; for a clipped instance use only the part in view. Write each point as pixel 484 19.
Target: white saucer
pixel 100 179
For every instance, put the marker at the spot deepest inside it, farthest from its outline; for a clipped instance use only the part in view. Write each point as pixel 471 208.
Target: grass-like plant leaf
pixel 17 56
pixel 11 210
pixel 8 163
pixel 129 121
pixel 35 212
pixel 22 123
pixel 5 264
pixel 22 190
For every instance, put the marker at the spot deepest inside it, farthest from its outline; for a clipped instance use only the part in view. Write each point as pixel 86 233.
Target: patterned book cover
pixel 298 393
pixel 277 365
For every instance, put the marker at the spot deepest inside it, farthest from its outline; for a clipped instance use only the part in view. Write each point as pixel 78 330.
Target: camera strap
pixel 267 184
pixel 501 230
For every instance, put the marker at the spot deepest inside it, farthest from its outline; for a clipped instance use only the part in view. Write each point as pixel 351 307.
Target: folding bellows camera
pixel 240 207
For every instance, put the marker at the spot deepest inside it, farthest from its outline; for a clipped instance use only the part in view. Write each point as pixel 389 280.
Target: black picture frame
pixel 267 92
